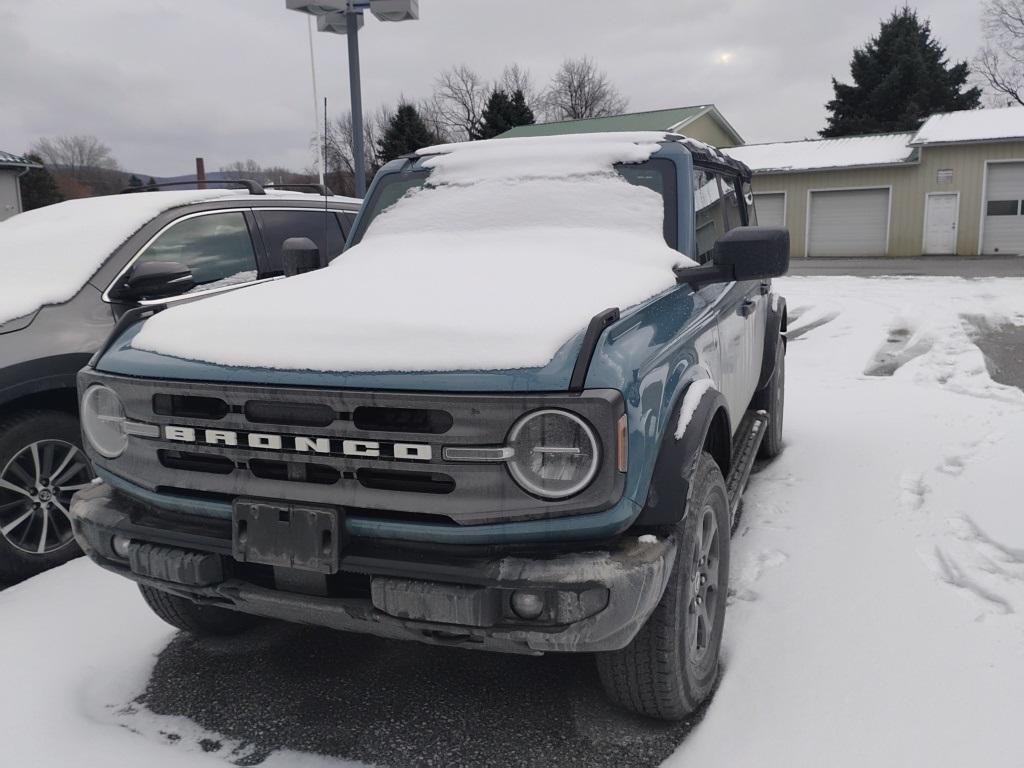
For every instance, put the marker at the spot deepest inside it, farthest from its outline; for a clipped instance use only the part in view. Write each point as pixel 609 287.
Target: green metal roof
pixel 656 120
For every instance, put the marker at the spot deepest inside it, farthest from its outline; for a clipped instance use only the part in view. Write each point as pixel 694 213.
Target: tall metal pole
pixel 320 137
pixel 357 102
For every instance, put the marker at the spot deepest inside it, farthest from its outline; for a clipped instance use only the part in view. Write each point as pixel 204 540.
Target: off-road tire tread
pixel 14 566
pixel 193 618
pixel 642 677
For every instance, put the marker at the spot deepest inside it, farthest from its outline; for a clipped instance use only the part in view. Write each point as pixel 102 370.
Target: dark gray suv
pixel 149 247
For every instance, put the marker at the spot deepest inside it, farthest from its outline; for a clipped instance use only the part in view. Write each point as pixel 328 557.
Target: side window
pixel 215 246
pixel 278 226
pixel 348 218
pixel 709 213
pixel 716 208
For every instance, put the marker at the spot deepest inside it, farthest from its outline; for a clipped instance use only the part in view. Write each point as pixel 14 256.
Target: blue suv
pixel 582 504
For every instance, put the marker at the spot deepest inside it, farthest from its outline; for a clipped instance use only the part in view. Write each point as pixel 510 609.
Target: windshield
pixel 657 174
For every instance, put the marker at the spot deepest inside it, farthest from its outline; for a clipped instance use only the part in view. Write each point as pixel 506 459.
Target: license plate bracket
pixel 306 538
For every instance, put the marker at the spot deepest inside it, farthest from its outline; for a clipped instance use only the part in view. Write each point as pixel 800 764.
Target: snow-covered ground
pixel 877 616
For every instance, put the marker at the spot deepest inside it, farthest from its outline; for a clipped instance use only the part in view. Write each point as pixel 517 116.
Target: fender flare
pixel 775 325
pixel 669 491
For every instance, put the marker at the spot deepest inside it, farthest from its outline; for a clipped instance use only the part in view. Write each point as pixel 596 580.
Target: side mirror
pixel 744 253
pixel 298 255
pixel 153 280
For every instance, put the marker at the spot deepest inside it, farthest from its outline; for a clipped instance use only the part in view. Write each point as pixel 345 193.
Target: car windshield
pixel 656 174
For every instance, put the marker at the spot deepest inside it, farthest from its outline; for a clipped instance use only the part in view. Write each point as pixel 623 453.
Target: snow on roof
pixel 972 125
pixel 495 265
pixel 48 254
pixel 821 154
pixel 11 159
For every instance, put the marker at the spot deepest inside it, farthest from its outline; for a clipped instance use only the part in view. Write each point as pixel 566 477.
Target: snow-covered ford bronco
pixel 517 414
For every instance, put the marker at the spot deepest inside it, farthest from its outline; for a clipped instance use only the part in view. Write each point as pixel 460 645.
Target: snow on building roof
pixel 11 159
pixel 48 254
pixel 972 125
pixel 824 154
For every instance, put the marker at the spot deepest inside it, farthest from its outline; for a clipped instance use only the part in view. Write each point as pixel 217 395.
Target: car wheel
pixel 670 667
pixel 772 400
pixel 41 466
pixel 194 618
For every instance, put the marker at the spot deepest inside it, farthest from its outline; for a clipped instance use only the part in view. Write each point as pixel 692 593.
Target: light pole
pixel 345 17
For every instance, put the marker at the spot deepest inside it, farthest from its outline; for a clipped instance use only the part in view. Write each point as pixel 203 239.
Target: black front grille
pixel 415 420
pixel 293 471
pixel 190 406
pixel 289 414
pixel 196 462
pixel 399 480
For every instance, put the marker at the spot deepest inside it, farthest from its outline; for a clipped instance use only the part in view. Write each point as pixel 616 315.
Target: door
pixel 771 209
pixel 1004 224
pixel 848 222
pixel 941 212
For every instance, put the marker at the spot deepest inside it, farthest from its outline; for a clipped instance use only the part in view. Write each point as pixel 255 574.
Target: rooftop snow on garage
pixel 496 265
pixel 48 254
pixel 972 125
pixel 848 152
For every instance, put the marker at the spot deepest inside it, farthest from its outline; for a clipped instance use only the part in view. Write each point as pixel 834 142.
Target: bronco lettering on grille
pixel 368 449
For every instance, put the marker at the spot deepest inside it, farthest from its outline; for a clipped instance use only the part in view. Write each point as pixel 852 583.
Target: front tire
pixel 41 466
pixel 669 669
pixel 194 618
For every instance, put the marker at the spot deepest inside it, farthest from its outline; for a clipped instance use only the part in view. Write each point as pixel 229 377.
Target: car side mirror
pixel 153 280
pixel 743 253
pixel 298 255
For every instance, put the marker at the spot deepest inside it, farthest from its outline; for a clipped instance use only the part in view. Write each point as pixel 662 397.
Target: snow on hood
pixel 48 254
pixel 500 261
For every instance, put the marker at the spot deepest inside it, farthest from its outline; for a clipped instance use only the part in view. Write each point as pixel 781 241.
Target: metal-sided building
pixel 12 168
pixel 954 187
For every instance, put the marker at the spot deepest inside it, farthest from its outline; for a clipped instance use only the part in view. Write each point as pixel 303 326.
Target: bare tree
pixel 579 90
pixel 1000 62
pixel 242 169
pixel 75 155
pixel 459 98
pixel 516 78
pixel 339 170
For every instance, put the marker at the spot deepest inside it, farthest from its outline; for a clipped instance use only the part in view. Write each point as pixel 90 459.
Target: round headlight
pixel 103 421
pixel 556 453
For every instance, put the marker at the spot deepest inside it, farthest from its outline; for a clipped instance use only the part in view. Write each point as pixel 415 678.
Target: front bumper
pixel 593 599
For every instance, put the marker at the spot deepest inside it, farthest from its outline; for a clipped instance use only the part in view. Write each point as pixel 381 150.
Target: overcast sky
pixel 164 81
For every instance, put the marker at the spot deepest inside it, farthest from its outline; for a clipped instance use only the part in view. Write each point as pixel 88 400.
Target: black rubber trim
pixel 773 327
pixel 598 323
pixel 129 318
pixel 677 460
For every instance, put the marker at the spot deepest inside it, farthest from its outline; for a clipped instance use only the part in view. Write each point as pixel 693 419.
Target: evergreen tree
pixel 406 132
pixel 151 185
pixel 134 181
pixel 899 78
pixel 501 113
pixel 38 187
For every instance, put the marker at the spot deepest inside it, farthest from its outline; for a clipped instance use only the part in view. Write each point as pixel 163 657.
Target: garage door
pixel 853 222
pixel 1004 224
pixel 771 209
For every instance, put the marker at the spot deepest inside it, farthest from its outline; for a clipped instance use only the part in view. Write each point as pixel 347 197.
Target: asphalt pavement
pixel 399 704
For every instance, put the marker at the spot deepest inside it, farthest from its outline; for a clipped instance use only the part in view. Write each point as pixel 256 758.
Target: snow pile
pixel 78 646
pixel 850 152
pixel 48 254
pixel 876 613
pixel 500 261
pixel 972 125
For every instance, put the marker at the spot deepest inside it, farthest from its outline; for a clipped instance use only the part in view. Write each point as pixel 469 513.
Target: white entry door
pixel 941 212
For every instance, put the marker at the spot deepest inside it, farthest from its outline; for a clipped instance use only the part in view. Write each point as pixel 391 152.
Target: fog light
pixel 120 546
pixel 527 605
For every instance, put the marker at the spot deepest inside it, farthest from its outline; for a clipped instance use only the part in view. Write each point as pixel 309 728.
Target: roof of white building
pixel 972 125
pixel 822 154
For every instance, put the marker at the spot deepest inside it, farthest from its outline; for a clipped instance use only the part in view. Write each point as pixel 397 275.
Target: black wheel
pixel 772 399
pixel 670 667
pixel 41 466
pixel 194 618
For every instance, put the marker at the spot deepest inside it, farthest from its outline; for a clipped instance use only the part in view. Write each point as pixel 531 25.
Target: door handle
pixel 747 307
